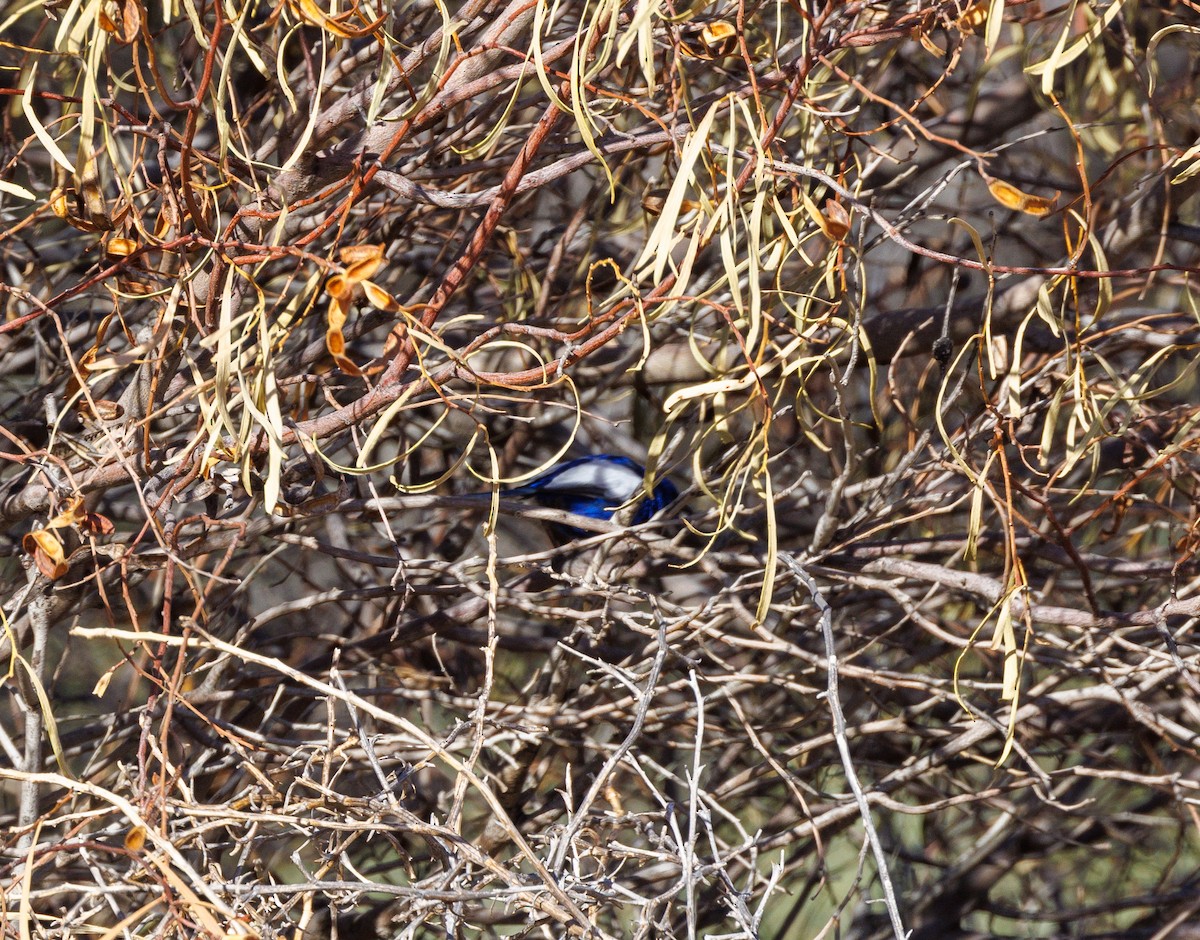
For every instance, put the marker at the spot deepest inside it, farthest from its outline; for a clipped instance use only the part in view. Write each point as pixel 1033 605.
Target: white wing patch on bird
pixel 611 480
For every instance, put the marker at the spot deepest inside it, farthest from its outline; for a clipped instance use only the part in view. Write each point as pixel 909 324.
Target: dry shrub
pixel 900 294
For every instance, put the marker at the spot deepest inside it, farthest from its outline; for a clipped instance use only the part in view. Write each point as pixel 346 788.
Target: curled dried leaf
pixel 348 367
pixel 380 298
pixel 58 203
pixel 96 524
pixel 1009 196
pixel 836 220
pixel 928 44
pixel 122 18
pixel 656 200
pixel 719 37
pixel 335 341
pixel 361 262
pixel 338 310
pixel 339 288
pixel 72 513
pixel 47 552
pixel 165 221
pixel 336 25
pixel 353 254
pixel 92 204
pixel 711 39
pixel 117 247
pixel 361 270
pixel 65 204
pixel 104 410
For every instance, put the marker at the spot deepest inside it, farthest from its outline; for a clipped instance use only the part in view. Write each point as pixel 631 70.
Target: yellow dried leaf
pixel 120 247
pixel 928 44
pixel 361 270
pixel 337 25
pixel 103 682
pixel 973 17
pixel 65 204
pixel 834 222
pixel 47 552
pixel 338 311
pixel 714 39
pixel 380 298
pixel 335 342
pixel 347 366
pixel 352 254
pixel 719 37
pixel 58 204
pixel 339 288
pixel 315 16
pixel 91 198
pixel 135 838
pixel 72 513
pixel 1012 198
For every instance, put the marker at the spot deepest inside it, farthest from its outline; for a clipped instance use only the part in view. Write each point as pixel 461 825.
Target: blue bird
pixel 596 487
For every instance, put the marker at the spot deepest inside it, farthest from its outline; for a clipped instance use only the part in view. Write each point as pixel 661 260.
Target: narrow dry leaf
pixel 39 129
pixel 15 190
pixel 335 25
pixel 928 44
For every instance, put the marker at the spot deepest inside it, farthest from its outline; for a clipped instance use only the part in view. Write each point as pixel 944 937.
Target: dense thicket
pixel 899 294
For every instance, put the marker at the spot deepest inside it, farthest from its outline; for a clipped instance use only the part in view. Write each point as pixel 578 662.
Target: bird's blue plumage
pixel 595 486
